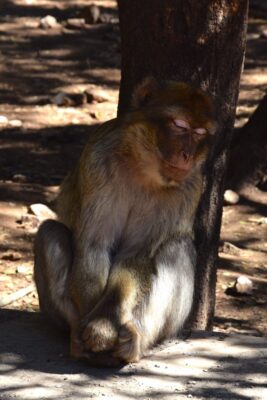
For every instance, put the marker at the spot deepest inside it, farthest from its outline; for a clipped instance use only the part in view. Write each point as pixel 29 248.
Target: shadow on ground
pixel 35 363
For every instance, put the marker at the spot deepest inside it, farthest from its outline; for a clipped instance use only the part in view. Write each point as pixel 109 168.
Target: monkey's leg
pixel 111 321
pixel 165 311
pixel 52 265
pixel 144 302
pixel 161 310
pixel 89 274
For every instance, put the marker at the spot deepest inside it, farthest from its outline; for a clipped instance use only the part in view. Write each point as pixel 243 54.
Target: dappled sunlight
pixel 252 78
pixel 243 251
pixel 37 64
pixel 205 365
pixel 253 82
pixel 52 116
pixel 41 139
pixel 40 63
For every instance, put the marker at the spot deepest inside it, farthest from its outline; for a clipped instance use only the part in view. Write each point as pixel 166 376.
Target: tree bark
pixel 202 43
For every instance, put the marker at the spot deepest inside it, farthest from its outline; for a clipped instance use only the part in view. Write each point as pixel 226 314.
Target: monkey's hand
pixel 76 346
pixel 128 347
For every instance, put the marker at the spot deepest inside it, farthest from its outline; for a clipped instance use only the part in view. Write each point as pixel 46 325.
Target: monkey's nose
pixel 186 155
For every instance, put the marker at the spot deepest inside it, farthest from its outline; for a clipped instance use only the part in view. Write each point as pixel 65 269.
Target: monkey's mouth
pixel 177 167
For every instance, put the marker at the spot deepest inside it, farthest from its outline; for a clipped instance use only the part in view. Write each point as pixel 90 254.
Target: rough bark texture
pixel 248 161
pixel 200 42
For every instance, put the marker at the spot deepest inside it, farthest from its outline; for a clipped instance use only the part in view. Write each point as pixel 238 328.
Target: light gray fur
pixel 52 266
pixel 170 300
pixel 122 220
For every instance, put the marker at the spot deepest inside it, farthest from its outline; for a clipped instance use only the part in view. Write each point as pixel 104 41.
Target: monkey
pixel 118 266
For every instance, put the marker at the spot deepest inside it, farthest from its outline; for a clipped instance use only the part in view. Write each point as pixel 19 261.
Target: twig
pixel 10 298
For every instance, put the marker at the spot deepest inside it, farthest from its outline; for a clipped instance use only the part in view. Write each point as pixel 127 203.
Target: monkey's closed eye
pixel 200 131
pixel 181 124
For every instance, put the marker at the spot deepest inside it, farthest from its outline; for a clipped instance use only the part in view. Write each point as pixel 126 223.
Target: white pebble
pixel 20 178
pixel 231 197
pixel 61 99
pixel 16 123
pixel 42 212
pixel 243 285
pixel 48 22
pixel 3 120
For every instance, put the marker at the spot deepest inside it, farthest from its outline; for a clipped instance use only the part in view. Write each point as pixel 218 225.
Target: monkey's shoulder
pixel 101 136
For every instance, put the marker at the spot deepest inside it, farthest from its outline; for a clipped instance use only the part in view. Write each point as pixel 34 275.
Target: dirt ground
pixel 40 139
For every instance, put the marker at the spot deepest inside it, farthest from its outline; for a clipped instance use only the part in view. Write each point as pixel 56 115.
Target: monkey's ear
pixel 144 92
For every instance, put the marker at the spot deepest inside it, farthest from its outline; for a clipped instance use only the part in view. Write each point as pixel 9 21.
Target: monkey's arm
pixel 89 276
pixel 87 206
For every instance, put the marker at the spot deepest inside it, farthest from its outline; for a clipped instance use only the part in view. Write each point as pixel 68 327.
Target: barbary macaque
pixel 118 265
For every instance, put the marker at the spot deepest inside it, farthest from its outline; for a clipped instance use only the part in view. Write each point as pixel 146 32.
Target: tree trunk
pixel 248 161
pixel 199 42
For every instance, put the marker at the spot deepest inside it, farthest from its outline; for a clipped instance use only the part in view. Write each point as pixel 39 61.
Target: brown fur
pixel 128 208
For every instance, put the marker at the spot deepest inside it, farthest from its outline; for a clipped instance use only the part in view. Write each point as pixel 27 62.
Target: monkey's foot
pixel 76 348
pixel 100 335
pixel 102 360
pixel 128 348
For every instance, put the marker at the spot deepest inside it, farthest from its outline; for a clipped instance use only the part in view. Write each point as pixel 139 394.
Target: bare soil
pixel 40 141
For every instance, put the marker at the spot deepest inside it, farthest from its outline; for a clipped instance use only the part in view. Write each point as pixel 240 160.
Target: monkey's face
pixel 182 145
pixel 175 131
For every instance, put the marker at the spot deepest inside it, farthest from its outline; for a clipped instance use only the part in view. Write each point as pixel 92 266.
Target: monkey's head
pixel 171 126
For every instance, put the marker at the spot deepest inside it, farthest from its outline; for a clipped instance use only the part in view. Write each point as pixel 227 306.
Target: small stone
pixel 75 23
pixel 263 33
pixel 48 22
pixel 20 178
pixel 41 211
pixel 231 197
pixel 3 120
pixel 15 123
pixel 243 285
pixel 96 96
pixel 91 14
pixel 61 99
